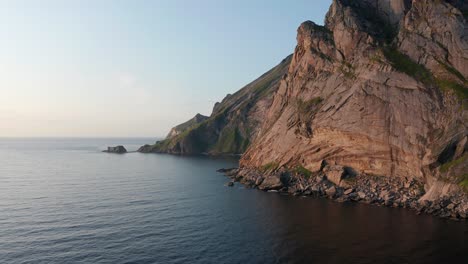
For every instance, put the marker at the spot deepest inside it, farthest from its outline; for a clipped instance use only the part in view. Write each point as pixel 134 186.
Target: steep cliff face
pixel 234 123
pixel 381 88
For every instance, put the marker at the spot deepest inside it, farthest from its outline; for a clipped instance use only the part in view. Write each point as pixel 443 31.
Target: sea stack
pixel 116 149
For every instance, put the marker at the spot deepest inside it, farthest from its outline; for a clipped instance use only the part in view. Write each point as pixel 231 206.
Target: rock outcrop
pixel 117 150
pixel 177 130
pixel 383 93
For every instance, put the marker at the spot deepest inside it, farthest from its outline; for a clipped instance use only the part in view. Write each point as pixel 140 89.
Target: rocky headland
pixel 234 123
pixel 371 107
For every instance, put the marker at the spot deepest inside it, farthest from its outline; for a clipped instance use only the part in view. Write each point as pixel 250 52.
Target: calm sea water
pixel 63 201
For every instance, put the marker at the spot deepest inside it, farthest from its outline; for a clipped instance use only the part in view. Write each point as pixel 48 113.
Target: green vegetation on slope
pixel 227 130
pixel 464 182
pixel 231 141
pixel 348 70
pixel 197 119
pixel 405 64
pixel 446 166
pixel 302 171
pixel 453 71
pixel 307 106
pixel 458 89
pixel 271 166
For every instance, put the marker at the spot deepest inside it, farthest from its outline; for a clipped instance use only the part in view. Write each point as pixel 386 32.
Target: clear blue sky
pixel 134 68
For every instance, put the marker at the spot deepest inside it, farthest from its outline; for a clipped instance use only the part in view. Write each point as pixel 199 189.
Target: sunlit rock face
pixel 380 88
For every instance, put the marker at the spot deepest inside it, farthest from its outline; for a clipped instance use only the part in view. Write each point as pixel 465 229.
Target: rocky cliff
pixel 381 89
pixel 233 124
pixel 372 106
pixel 384 93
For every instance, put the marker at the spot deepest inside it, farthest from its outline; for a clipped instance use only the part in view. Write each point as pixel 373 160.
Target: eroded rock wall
pixel 383 93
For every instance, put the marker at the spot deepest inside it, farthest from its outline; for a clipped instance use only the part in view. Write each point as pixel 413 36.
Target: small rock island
pixel 116 149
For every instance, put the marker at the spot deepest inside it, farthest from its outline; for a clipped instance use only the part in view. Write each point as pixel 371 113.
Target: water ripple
pixel 62 201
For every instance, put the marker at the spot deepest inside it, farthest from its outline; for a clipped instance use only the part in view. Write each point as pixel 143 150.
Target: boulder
pixel 334 173
pixel 337 175
pixel 258 181
pixel 331 191
pixel 451 206
pixel 272 182
pixel 362 195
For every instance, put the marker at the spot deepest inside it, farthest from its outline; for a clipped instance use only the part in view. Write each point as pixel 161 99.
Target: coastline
pixel 395 192
pixel 368 189
pixel 145 150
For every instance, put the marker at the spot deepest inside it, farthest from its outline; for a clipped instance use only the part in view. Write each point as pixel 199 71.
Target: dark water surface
pixel 63 201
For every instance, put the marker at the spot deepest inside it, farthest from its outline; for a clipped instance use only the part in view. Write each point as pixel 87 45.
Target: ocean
pixel 64 201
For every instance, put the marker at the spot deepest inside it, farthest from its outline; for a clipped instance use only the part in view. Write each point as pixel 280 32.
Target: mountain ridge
pixel 233 123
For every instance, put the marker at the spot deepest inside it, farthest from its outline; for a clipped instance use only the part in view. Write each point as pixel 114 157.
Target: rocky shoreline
pixel 336 183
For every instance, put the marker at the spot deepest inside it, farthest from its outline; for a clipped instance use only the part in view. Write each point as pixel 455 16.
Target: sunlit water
pixel 63 201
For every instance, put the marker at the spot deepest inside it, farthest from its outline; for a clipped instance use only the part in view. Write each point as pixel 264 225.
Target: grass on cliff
pixel 348 70
pixel 446 166
pixel 271 166
pixel 303 171
pixel 452 70
pixel 163 144
pixel 405 64
pixel 231 141
pixel 447 85
pixel 308 106
pixel 191 135
pixel 464 182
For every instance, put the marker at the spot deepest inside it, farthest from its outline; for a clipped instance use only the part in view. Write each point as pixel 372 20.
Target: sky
pixel 134 68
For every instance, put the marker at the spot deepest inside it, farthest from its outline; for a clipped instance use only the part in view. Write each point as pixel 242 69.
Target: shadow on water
pixel 323 231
